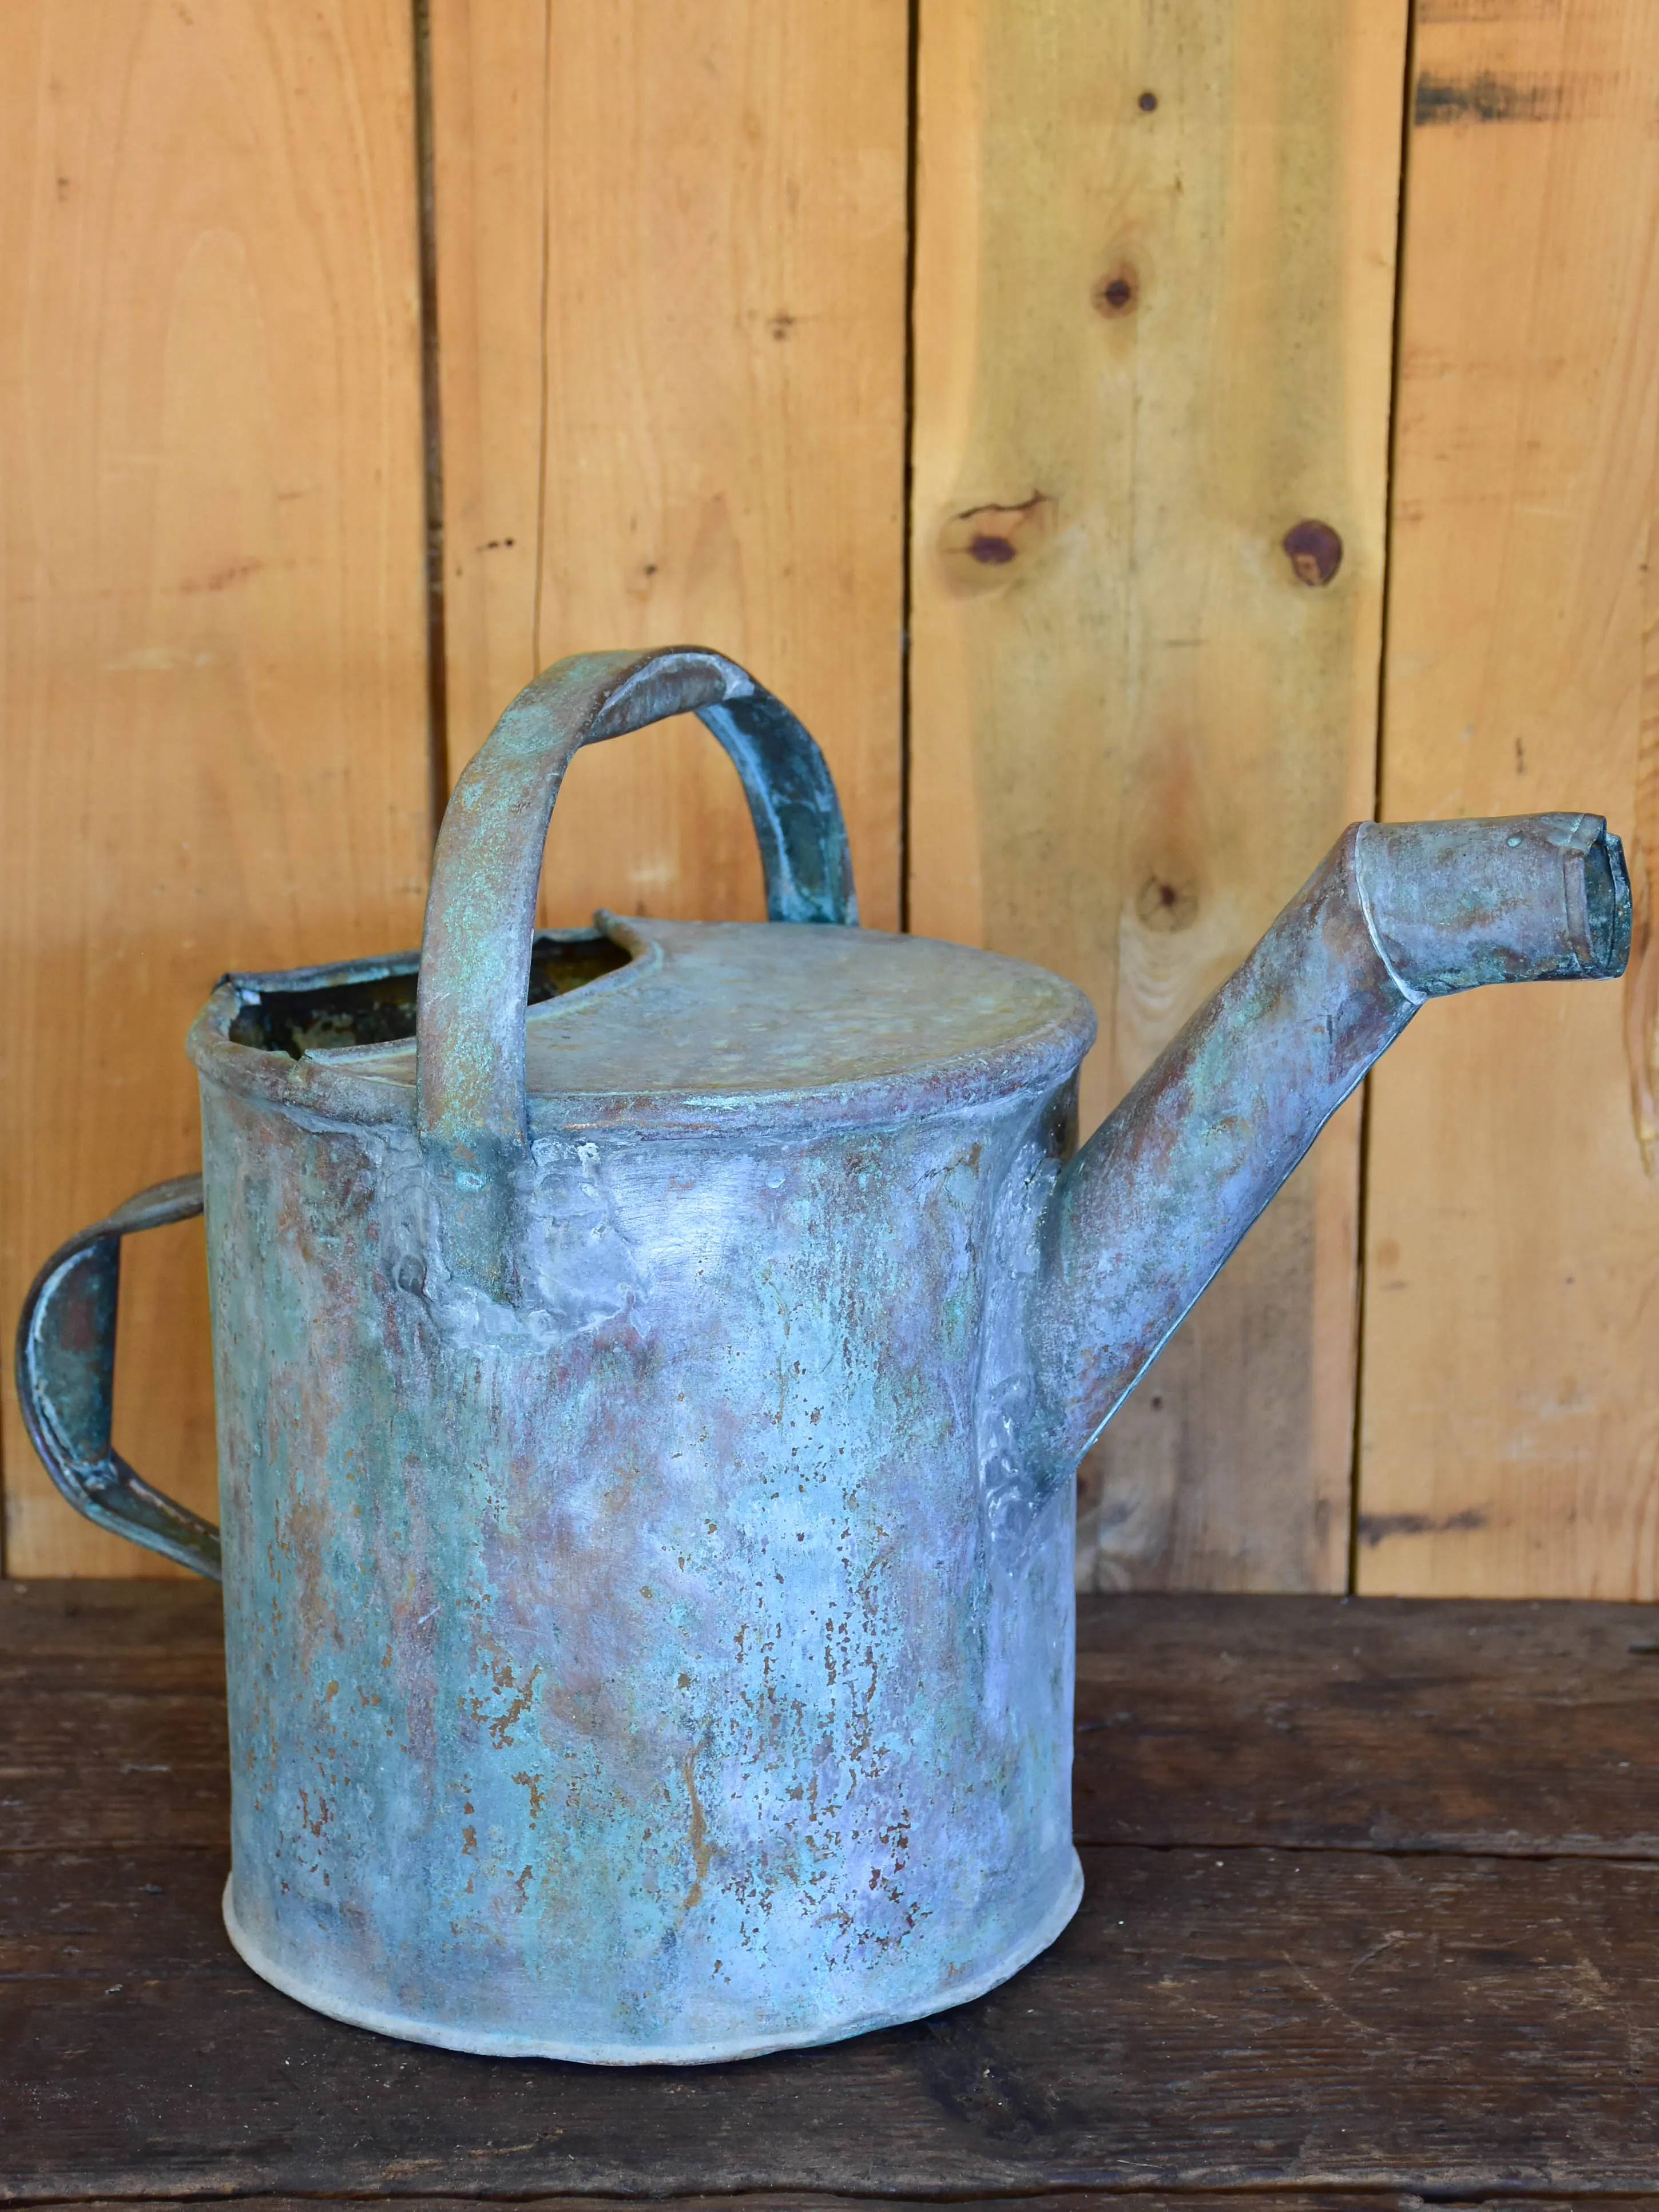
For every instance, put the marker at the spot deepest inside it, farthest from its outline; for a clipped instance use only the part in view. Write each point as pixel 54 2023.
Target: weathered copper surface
pixel 646 1421
pixel 66 1382
pixel 1165 1189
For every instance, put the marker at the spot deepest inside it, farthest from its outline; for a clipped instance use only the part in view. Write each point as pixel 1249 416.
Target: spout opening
pixel 1607 905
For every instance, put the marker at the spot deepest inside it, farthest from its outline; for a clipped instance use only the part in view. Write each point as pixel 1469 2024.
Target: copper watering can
pixel 646 1420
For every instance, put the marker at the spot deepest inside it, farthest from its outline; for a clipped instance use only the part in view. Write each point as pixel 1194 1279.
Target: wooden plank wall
pixel 721 290
pixel 672 251
pixel 214 645
pixel 1511 1394
pixel 1155 293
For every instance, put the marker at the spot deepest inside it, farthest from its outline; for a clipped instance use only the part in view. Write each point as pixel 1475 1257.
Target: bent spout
pixel 1162 1193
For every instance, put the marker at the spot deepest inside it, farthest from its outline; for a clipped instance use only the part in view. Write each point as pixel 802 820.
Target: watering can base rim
pixel 508 2043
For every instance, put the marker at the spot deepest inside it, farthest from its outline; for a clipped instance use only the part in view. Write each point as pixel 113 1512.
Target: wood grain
pixel 816 2200
pixel 1294 1722
pixel 1511 1430
pixel 1372 1725
pixel 1152 322
pixel 672 250
pixel 1398 2016
pixel 114 1693
pixel 213 672
pixel 1211 2019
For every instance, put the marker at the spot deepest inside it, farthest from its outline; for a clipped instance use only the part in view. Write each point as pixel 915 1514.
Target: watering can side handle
pixel 66 1378
pixel 480 914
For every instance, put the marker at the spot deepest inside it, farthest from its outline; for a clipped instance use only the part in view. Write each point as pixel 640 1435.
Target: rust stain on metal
pixel 702 1852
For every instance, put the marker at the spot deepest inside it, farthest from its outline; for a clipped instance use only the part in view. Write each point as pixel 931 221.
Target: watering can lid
pixel 704 1019
pixel 729 1010
pixel 745 1007
pixel 704 1016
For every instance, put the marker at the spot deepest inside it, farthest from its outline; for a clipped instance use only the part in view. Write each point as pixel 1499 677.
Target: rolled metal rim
pixel 506 2043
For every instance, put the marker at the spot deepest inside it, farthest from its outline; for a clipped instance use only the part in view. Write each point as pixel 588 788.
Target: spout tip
pixel 1608 901
pixel 1528 899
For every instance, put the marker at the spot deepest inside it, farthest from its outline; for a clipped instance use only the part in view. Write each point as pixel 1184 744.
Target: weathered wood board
pixel 818 2200
pixel 671 256
pixel 1298 1724
pixel 1237 2005
pixel 214 686
pixel 1510 1438
pixel 1211 2019
pixel 1154 299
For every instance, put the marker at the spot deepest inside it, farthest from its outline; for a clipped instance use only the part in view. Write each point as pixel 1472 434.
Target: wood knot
pixel 1162 905
pixel 1315 550
pixel 1118 292
pixel 984 547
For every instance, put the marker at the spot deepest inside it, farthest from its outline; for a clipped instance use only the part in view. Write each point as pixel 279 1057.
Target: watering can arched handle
pixel 480 910
pixel 66 1379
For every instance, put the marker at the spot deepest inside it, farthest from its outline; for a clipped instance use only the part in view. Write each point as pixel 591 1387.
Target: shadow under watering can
pixel 651 1366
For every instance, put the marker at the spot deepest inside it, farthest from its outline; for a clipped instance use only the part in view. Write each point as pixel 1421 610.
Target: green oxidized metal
pixel 649 1385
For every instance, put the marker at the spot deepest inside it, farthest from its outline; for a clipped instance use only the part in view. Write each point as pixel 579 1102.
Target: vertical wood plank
pixel 214 671
pixel 1153 324
pixel 671 241
pixel 1510 1436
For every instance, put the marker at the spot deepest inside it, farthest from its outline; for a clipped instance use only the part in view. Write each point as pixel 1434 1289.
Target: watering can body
pixel 636 1667
pixel 647 1415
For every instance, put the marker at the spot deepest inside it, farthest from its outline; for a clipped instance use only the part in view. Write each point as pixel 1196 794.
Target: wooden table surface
pixel 1372 1914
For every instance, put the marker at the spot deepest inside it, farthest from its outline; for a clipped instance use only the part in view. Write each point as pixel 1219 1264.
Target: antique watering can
pixel 650 1367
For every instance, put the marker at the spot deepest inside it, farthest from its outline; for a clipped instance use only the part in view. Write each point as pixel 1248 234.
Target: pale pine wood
pixel 1510 1440
pixel 214 675
pixel 670 293
pixel 1150 341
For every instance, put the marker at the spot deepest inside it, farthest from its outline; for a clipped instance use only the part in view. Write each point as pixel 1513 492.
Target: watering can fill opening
pixel 326 1011
pixel 651 1365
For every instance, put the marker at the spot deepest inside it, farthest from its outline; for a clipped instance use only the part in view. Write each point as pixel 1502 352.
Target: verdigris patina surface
pixel 651 1371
